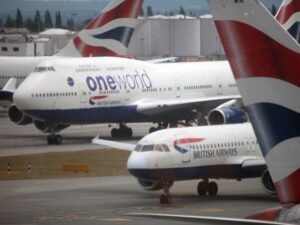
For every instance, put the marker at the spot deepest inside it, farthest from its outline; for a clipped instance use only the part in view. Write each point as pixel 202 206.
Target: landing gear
pixel 122 131
pixel 54 139
pixel 165 197
pixel 161 125
pixel 205 187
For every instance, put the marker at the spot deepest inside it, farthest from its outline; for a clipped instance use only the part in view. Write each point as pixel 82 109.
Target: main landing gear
pixel 163 125
pixel 165 197
pixel 205 187
pixel 122 131
pixel 54 139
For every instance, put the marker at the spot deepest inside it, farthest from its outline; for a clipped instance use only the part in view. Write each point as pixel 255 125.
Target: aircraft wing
pixel 8 90
pixel 205 219
pixel 203 104
pixel 254 164
pixel 114 144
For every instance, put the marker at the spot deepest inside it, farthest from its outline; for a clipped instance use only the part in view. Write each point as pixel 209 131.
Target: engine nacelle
pixel 151 185
pixel 226 116
pixel 17 116
pixel 48 128
pixel 267 182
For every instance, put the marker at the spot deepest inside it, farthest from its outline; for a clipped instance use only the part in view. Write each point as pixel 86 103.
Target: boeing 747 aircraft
pixel 62 92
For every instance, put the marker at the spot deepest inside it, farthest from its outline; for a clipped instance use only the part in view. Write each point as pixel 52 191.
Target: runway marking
pixel 212 210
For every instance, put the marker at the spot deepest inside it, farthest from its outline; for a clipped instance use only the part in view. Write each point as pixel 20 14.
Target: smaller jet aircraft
pixel 211 152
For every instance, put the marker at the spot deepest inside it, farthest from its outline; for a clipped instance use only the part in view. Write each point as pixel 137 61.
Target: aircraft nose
pixel 136 160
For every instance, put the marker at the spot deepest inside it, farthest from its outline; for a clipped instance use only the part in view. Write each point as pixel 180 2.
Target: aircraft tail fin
pixel 108 34
pixel 289 16
pixel 265 61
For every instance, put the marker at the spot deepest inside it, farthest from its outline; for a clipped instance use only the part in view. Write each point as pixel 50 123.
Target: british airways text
pixel 135 80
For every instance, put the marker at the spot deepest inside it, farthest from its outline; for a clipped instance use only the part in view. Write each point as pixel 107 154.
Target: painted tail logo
pixel 289 16
pixel 109 33
pixel 185 141
pixel 265 63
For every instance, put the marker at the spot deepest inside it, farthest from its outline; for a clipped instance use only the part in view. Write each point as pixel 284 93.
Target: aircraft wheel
pixel 50 140
pixel 163 199
pixel 128 132
pixel 114 132
pixel 152 129
pixel 202 188
pixel 212 188
pixel 57 139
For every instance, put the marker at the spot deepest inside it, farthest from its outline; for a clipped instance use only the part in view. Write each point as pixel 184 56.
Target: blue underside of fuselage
pixel 200 172
pixel 91 115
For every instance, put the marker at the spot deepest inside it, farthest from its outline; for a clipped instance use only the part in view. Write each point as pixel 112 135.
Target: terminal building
pixel 154 37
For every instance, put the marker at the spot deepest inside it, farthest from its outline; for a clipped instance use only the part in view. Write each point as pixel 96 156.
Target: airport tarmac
pixel 104 200
pixel 21 140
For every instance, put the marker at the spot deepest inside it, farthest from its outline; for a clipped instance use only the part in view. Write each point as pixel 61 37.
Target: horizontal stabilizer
pixel 114 144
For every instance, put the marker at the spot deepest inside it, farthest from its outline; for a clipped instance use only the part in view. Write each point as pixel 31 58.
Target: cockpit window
pixel 44 68
pixel 148 148
pixel 158 148
pixel 165 147
pixel 138 148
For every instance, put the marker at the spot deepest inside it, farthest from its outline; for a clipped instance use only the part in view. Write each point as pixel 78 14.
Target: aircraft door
pixel 177 88
pixel 219 85
pixel 126 96
pixel 82 93
pixel 186 151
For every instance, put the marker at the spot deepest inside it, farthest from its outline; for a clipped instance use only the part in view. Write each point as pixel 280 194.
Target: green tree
pixel 19 18
pixel 182 11
pixel 273 10
pixel 142 12
pixel 29 24
pixel 1 23
pixel 149 11
pixel 70 24
pixel 38 25
pixel 58 21
pixel 48 19
pixel 9 22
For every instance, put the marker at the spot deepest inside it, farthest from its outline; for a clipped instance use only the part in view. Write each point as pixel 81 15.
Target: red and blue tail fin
pixel 289 16
pixel 108 34
pixel 265 61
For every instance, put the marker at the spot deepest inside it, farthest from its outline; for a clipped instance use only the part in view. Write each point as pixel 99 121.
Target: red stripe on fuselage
pixel 252 53
pixel 288 189
pixel 187 140
pixel 99 97
pixel 287 11
pixel 127 9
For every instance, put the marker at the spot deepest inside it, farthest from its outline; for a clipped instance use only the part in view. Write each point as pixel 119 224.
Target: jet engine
pixel 17 116
pixel 226 116
pixel 47 127
pixel 267 182
pixel 151 185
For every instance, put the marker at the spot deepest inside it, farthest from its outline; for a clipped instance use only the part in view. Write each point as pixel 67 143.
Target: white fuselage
pixel 108 89
pixel 220 151
pixel 18 67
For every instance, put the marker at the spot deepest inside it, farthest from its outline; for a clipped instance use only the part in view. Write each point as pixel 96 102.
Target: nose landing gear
pixel 165 197
pixel 54 139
